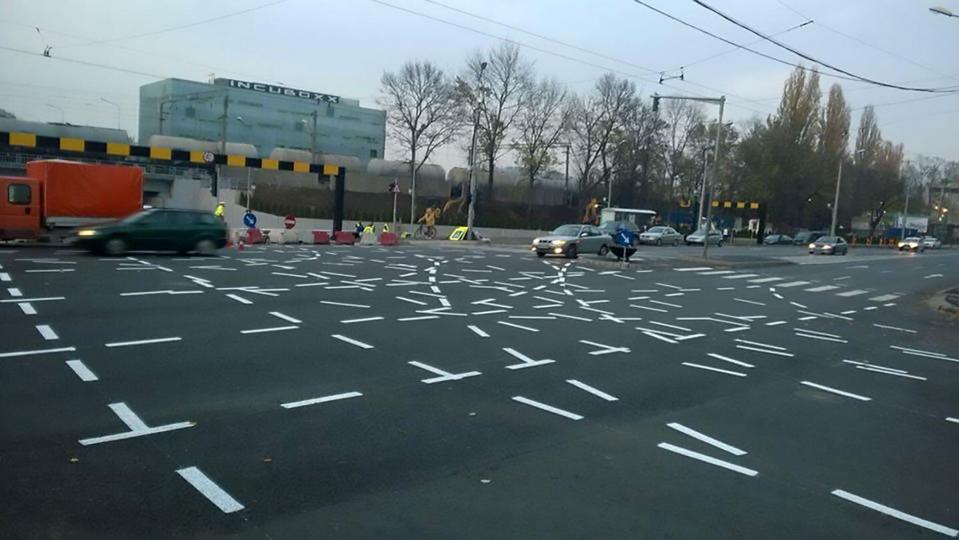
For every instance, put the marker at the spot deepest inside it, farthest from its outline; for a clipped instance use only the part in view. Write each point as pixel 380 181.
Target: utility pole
pixel 226 107
pixel 567 175
pixel 905 207
pixel 716 154
pixel 413 182
pixel 835 201
pixel 313 143
pixel 471 213
pixel 702 193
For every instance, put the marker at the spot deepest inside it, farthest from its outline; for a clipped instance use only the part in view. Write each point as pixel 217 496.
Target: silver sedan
pixel 571 240
pixel 661 235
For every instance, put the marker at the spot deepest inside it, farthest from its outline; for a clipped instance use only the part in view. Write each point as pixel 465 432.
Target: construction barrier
pixel 368 238
pixel 344 238
pixel 321 237
pixel 389 239
pixel 459 233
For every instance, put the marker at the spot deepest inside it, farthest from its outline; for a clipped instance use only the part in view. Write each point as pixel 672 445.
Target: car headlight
pixel 558 242
pixel 811 246
pixel 87 232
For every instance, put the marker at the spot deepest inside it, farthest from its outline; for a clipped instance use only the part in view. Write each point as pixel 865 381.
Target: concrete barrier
pixel 344 238
pixel 389 239
pixel 321 237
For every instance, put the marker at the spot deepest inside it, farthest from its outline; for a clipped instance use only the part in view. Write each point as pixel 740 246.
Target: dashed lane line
pixel 884 297
pixel 318 400
pixel 27 308
pixel 854 292
pixel 793 284
pixel 547 408
pixel 707 439
pixel 717 370
pixel 730 360
pixel 141 342
pixel 209 489
pixel 352 341
pixel 822 288
pixel 595 391
pixel 892 512
pixel 477 330
pixel 82 371
pixel 741 276
pixel 47 332
pixel 287 318
pixel 835 391
pixel 37 351
pixel 707 459
pixel 239 299
pixel 364 319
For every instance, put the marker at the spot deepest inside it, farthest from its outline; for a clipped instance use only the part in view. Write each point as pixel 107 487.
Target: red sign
pixel 289 222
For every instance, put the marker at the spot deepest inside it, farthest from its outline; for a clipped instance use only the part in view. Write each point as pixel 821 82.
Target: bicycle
pixel 425 231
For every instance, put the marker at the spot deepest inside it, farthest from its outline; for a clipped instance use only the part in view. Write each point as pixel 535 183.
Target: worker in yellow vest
pixel 386 227
pixel 220 211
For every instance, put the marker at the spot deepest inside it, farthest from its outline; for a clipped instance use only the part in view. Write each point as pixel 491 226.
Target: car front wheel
pixel 115 247
pixel 205 246
pixel 540 254
pixel 571 252
pixel 603 250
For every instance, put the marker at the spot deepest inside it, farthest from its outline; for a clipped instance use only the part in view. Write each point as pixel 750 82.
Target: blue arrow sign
pixel 249 219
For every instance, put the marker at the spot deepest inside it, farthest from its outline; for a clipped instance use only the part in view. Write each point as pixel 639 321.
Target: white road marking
pixel 591 390
pixel 526 361
pixel 141 342
pixel 709 368
pixel 300 276
pixel 410 300
pixel 793 284
pixel 707 439
pixel 741 276
pixel 767 351
pixel 14 292
pixel 46 332
pixel 82 370
pixel 707 459
pixel 645 307
pixel 4 276
pixel 128 417
pixel 906 330
pixel 364 319
pixel 573 317
pixel 547 408
pixel 766 280
pixel 730 360
pixel 37 351
pixel 725 288
pixel 756 343
pixel 847 312
pixel 930 276
pixel 717 273
pixel 693 269
pixel 775 323
pixel 270 329
pixel 324 399
pixel 210 490
pixel 892 512
pixel 521 327
pixel 818 335
pixel 420 318
pixel 351 341
pixel 665 304
pixel 884 297
pixel 822 288
pixel 344 304
pixel 27 308
pixel 953 420
pixel 286 318
pixel 835 391
pixel 488 312
pixel 476 330
pixel 891 372
pixel 673 326
pixel 854 292
pixel 60 270
pixel 841 278
pixel 604 349
pixel 443 375
pixel 749 302
pixel 239 299
pixel 805 331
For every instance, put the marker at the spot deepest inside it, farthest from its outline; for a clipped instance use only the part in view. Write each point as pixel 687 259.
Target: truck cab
pixel 20 213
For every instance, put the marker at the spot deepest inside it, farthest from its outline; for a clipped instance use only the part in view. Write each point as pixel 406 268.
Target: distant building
pixel 45 129
pixel 265 116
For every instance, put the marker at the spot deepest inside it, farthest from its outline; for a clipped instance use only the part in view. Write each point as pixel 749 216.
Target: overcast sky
pixel 343 47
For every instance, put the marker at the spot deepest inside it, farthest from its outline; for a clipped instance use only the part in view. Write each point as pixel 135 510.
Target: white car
pixel 931 242
pixel 661 235
pixel 913 243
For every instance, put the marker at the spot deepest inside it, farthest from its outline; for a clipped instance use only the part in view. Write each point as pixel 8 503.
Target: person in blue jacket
pixel 625 240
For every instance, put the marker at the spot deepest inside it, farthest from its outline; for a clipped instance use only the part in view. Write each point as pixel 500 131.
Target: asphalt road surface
pixel 366 392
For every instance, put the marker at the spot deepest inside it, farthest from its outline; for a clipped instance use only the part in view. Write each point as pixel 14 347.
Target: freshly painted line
pixel 889 372
pixel 27 308
pixel 421 318
pixel 521 327
pixel 410 300
pixel 767 351
pixel 741 276
pixel 665 304
pixel 324 399
pixel 61 270
pixel 4 276
pixel 730 360
pixel 884 297
pixel 793 284
pixel 749 302
pixel 128 417
pixel 351 341
pixel 37 351
pixel 930 276
pixel 854 292
pixel 892 512
pixel 821 338
pixel 803 330
pixel 591 390
pixel 573 317
pixel 46 332
pixel 822 288
pixel 476 330
pixel 707 459
pixel 547 408
pixel 344 304
pixel 208 488
pixel 766 280
pixel 287 318
pixel 351 321
pixel 270 329
pixel 136 433
pixel 776 323
pixel 717 273
pixel 693 269
pixel 756 343
pixel 727 372
pixel 906 330
pixel 239 299
pixel 835 391
pixel 82 370
pixel 656 335
pixel 18 300
pixel 14 292
pixel 927 353
pixel 490 311
pixel 953 420
pixel 707 439
pixel 141 342
pixel 673 326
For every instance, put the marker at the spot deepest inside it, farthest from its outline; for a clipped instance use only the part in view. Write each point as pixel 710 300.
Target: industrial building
pixel 268 118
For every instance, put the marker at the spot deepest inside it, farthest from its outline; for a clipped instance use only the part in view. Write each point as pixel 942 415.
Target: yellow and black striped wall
pixel 82 148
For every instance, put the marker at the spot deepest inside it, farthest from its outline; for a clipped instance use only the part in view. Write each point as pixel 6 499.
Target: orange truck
pixel 59 194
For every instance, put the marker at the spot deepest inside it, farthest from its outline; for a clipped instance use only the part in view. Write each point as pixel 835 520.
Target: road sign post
pixel 289 221
pixel 249 219
pixel 395 190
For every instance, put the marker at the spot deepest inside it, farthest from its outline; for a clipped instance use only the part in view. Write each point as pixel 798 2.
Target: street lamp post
pixel 478 107
pixel 939 10
pixel 702 193
pixel 115 104
pixel 835 203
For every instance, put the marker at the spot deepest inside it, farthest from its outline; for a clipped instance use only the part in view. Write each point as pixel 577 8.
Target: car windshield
pixel 826 240
pixel 133 218
pixel 658 230
pixel 912 239
pixel 567 230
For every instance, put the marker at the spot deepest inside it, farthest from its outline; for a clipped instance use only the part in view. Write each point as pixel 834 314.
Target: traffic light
pixel 655 103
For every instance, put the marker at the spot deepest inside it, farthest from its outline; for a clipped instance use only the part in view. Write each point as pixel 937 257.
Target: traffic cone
pixel 239 245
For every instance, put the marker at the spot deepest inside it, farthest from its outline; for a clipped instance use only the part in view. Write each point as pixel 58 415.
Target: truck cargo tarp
pixel 87 189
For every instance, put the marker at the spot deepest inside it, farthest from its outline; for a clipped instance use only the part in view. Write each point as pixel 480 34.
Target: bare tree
pixel 541 124
pixel 506 83
pixel 594 122
pixel 684 121
pixel 423 114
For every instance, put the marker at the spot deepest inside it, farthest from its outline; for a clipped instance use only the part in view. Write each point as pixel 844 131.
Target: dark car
pixel 807 237
pixel 156 229
pixel 829 245
pixel 610 228
pixel 778 239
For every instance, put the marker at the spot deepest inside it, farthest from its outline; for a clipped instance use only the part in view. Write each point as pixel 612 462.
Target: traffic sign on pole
pixel 249 219
pixel 289 222
pixel 208 157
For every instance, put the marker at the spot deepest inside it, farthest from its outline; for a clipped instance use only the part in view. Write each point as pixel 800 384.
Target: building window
pixel 372 153
pixel 18 194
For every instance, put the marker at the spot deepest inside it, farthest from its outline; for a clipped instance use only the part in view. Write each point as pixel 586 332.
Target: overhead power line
pixel 816 60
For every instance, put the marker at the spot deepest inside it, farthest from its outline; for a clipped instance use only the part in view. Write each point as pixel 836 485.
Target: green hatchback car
pixel 156 229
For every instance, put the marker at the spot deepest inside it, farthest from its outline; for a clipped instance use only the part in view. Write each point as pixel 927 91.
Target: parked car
pixel 829 245
pixel 155 229
pixel 807 237
pixel 660 235
pixel 610 228
pixel 571 240
pixel 931 242
pixel 913 243
pixel 699 237
pixel 777 239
